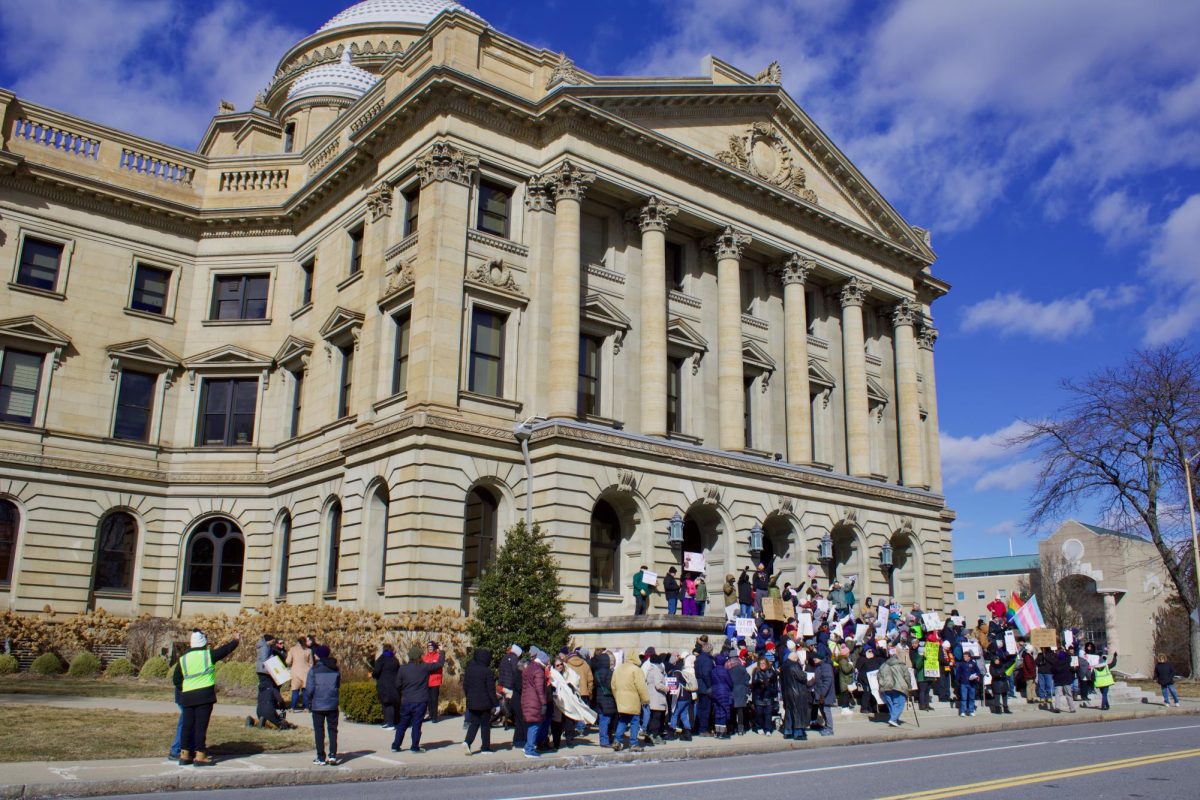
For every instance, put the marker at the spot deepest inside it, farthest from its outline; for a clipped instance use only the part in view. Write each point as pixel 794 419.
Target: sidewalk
pixel 366 749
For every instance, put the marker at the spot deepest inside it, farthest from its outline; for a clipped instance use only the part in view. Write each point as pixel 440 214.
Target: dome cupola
pixel 393 12
pixel 342 79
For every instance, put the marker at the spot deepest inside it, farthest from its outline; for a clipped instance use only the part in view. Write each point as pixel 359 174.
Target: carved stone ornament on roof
pixel 564 72
pixel 729 243
pixel 763 152
pixel 260 102
pixel 794 269
pixel 906 312
pixel 495 273
pixel 379 201
pixel 854 292
pixel 773 74
pixel 226 107
pixel 539 194
pixel 568 181
pixel 927 336
pixel 445 162
pixel 401 277
pixel 655 215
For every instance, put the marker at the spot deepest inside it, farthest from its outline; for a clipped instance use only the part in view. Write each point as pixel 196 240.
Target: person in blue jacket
pixel 722 696
pixel 704 701
pixel 970 684
pixel 321 692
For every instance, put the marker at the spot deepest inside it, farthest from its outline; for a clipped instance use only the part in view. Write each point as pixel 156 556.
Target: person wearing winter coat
pixel 606 704
pixel 684 673
pixel 745 594
pixel 434 656
pixel 384 672
pixel 1001 668
pixel 764 689
pixel 196 693
pixel 641 592
pixel 1063 675
pixel 510 684
pixel 1104 678
pixel 299 662
pixel 630 692
pixel 671 591
pixel 970 682
pixel 689 595
pixel 894 683
pixel 1045 663
pixel 722 696
pixel 797 698
pixel 479 690
pixel 656 689
pixel 412 687
pixel 701 596
pixel 740 712
pixel 704 668
pixel 761 583
pixel 824 691
pixel 321 695
pixel 533 703
pixel 730 591
pixel 269 698
pixel 1164 676
pixel 1029 672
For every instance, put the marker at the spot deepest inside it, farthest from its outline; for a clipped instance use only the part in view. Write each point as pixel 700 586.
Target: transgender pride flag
pixel 1029 616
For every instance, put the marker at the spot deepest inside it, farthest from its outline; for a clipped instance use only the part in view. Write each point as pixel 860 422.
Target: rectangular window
pixel 39 264
pixel 20 378
pixel 748 385
pixel 297 402
pixel 675 273
pixel 356 244
pixel 346 392
pixel 412 210
pixel 962 595
pixel 485 373
pixel 589 376
pixel 675 395
pixel 150 286
pixel 289 137
pixel 980 595
pixel 493 208
pixel 240 297
pixel 400 367
pixel 227 412
pixel 307 271
pixel 135 404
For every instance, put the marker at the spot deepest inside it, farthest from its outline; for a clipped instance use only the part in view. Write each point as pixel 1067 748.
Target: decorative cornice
pixel 654 216
pixel 796 268
pixel 729 243
pixel 564 72
pixel 772 75
pixel 854 292
pixel 445 162
pixel 498 242
pixel 926 337
pixel 606 274
pixel 905 312
pixel 568 181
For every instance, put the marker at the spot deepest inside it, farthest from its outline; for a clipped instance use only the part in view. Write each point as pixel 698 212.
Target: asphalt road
pixel 1157 759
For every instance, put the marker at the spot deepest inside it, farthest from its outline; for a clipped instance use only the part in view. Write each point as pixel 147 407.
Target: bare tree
pixel 1122 441
pixel 1049 582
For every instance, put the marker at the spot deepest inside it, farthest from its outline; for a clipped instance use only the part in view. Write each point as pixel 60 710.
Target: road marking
pixel 1037 777
pixel 836 767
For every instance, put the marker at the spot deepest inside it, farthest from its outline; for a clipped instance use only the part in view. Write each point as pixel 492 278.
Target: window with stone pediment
pixel 403 322
pixel 227 411
pixel 590 352
pixel 486 362
pixel 135 405
pixel 675 379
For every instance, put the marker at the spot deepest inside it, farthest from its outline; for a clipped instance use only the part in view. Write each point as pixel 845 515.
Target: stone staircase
pixel 1122 692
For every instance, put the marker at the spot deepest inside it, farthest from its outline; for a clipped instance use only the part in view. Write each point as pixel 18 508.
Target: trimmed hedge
pixel 119 668
pixel 46 664
pixel 84 665
pixel 8 664
pixel 360 702
pixel 154 668
pixel 231 674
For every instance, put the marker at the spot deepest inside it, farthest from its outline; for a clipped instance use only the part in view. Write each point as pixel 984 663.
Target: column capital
pixel 854 292
pixel 445 162
pixel 906 312
pixel 539 194
pixel 796 268
pixel 729 243
pixel 379 201
pixel 926 336
pixel 568 181
pixel 654 216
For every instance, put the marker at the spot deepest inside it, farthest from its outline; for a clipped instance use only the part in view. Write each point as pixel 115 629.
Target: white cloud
pixel 154 67
pixel 1005 528
pixel 1010 477
pixel 1174 271
pixel 1011 313
pixel 968 455
pixel 1120 219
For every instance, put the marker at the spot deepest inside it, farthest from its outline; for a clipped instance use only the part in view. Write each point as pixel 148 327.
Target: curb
pixel 203 781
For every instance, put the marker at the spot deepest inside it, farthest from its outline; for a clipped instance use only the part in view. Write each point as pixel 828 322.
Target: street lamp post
pixel 756 541
pixel 1187 476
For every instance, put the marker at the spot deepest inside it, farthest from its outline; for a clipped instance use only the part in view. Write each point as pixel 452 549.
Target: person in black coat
pixel 745 594
pixel 197 703
pixel 671 591
pixel 999 667
pixel 704 669
pixel 384 672
pixel 479 687
pixel 762 586
pixel 797 698
pixel 510 685
pixel 412 684
pixel 606 704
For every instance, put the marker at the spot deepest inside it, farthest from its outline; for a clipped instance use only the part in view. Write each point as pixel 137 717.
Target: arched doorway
pixel 701 534
pixel 480 529
pixel 1083 599
pixel 847 556
pixel 780 550
pixel 905 578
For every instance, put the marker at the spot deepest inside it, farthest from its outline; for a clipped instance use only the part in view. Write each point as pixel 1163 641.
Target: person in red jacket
pixel 533 703
pixel 435 679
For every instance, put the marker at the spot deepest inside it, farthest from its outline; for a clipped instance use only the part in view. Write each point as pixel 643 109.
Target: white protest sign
pixel 1068 639
pixel 649 578
pixel 731 611
pixel 932 621
pixel 1092 659
pixel 959 622
pixel 693 562
pixel 619 656
pixel 745 628
pixel 279 673
pixel 822 605
pixel 1010 642
pixel 873 682
pixel 859 632
pixel 805 625
pixel 912 679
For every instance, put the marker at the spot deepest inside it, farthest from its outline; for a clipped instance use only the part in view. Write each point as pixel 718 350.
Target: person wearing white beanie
pixel 194 677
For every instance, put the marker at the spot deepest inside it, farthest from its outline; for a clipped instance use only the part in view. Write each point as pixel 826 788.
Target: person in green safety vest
pixel 196 693
pixel 1102 678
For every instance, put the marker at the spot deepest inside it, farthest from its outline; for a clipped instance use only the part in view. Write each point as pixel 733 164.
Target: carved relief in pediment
pixel 764 153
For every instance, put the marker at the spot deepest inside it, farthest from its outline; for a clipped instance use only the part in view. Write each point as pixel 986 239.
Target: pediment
pixel 598 308
pixel 875 391
pixel 144 350
pixel 680 332
pixel 34 329
pixel 293 349
pixel 339 322
pixel 228 356
pixel 754 355
pixel 819 375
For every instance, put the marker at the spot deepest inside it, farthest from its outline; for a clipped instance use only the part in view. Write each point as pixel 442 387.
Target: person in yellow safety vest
pixel 1102 678
pixel 195 692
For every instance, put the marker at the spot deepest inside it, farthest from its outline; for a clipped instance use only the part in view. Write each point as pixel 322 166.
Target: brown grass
pixel 47 733
pixel 66 686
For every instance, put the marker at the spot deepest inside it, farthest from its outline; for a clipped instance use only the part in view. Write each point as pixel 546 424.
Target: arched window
pixel 10 518
pixel 115 553
pixel 479 533
pixel 379 528
pixel 285 552
pixel 606 539
pixel 215 558
pixel 334 519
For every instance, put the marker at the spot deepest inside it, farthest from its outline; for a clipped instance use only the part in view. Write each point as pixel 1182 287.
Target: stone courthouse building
pixel 301 364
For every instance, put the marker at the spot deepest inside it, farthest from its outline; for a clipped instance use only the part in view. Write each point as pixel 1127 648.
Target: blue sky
pixel 1053 149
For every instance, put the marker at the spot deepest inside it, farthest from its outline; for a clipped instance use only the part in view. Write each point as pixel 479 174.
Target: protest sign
pixel 618 655
pixel 1068 638
pixel 1043 637
pixel 693 562
pixel 1092 659
pixel 958 622
pixel 731 611
pixel 673 685
pixel 278 672
pixel 649 578
pixel 773 609
pixel 932 621
pixel 805 625
pixel 1010 642
pixel 912 679
pixel 745 628
pixel 873 682
pixel 859 632
pixel 822 605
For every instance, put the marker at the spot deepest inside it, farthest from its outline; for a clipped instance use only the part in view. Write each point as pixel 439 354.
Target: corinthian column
pixel 727 246
pixel 653 220
pixel 925 340
pixel 904 318
pixel 568 183
pixel 793 273
pixel 854 364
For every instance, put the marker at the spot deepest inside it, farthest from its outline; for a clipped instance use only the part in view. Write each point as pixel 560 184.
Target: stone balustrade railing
pixel 253 180
pixel 56 138
pixel 154 167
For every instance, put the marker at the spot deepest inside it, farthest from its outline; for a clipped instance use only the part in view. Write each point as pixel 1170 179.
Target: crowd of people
pixel 791 676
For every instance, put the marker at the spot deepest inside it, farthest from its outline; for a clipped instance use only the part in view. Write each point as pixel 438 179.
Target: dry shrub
pixel 66 635
pixel 147 636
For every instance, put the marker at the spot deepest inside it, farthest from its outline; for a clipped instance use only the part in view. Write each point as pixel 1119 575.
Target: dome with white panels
pixel 395 12
pixel 342 79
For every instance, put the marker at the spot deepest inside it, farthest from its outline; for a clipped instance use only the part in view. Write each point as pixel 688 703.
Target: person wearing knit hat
pixel 194 677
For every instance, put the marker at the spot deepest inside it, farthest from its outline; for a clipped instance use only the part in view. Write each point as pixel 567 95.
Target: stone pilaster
pixel 793 273
pixel 925 341
pixel 653 219
pixel 905 315
pixel 568 183
pixel 727 247
pixel 435 338
pixel 854 361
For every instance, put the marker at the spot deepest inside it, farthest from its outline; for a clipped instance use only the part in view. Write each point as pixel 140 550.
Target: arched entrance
pixel 847 559
pixel 1082 597
pixel 480 528
pixel 701 534
pixel 780 550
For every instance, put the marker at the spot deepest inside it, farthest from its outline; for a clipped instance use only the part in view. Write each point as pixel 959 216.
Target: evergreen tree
pixel 520 598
